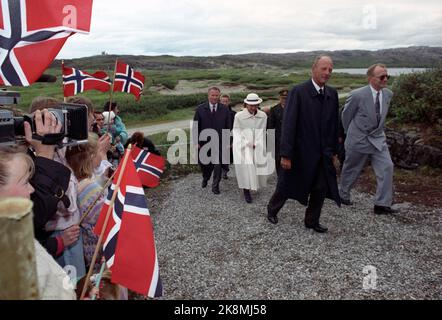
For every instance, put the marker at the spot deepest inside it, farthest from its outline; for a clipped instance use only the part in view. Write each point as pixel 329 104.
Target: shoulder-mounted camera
pixel 73 118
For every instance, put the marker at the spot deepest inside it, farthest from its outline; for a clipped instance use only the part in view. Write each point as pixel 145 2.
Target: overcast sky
pixel 215 27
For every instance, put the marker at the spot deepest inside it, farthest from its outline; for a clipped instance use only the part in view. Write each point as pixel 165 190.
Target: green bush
pixel 418 97
pixel 155 105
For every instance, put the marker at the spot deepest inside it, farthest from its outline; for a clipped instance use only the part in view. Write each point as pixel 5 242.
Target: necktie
pixel 377 106
pixel 321 94
pixel 213 109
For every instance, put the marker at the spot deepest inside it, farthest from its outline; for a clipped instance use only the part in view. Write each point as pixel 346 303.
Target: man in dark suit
pixel 274 121
pixel 225 100
pixel 212 115
pixel 309 144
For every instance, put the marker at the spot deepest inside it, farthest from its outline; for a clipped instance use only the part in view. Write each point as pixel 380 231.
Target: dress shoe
pixel 225 175
pixel 384 210
pixel 317 228
pixel 247 196
pixel 272 219
pixel 346 202
pixel 204 183
pixel 215 190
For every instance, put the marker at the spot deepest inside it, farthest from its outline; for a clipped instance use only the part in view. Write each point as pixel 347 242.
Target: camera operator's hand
pixel 45 123
pixel 103 147
pixel 70 235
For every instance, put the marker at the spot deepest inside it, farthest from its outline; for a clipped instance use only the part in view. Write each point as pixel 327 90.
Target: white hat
pixel 106 116
pixel 252 99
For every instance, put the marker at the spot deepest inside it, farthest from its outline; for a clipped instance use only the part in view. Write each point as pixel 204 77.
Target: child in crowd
pixel 16 168
pixel 105 290
pixel 117 152
pixel 90 196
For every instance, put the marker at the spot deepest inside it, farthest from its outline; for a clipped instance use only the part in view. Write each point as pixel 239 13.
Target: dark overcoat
pixel 275 122
pixel 309 135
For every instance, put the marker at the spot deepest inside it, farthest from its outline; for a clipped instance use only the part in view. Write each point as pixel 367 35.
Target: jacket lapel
pixel 369 104
pixel 385 105
pixel 207 108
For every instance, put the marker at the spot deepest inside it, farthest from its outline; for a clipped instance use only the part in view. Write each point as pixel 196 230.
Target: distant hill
pixel 399 57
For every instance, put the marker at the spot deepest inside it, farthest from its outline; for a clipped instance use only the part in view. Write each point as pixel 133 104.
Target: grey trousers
pixel 383 169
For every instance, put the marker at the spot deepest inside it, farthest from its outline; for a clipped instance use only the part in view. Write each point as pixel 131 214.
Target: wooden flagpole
pixel 109 210
pixel 111 95
pixel 100 275
pixel 89 209
pixel 62 84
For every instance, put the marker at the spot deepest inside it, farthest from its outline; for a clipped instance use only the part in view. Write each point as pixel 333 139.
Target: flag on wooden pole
pixel 129 245
pixel 128 80
pixel 149 166
pixel 76 81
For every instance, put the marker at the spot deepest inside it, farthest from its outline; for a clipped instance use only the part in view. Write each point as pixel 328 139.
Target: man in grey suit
pixel 363 119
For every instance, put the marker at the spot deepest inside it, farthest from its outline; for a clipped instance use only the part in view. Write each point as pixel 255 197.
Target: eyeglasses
pixel 382 78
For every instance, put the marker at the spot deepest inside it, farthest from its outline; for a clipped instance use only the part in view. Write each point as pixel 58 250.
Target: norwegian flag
pixel 128 80
pixel 129 245
pixel 33 32
pixel 76 81
pixel 149 166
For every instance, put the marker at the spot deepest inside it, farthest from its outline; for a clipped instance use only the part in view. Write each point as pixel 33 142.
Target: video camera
pixel 73 118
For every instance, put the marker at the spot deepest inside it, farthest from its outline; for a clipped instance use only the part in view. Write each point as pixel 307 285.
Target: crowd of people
pixel 67 188
pixel 311 137
pixel 66 185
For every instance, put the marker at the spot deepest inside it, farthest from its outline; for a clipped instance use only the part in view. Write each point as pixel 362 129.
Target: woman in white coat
pixel 249 149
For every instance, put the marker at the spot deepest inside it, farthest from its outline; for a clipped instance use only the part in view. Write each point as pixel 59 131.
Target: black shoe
pixel 272 219
pixel 247 196
pixel 215 190
pixel 384 210
pixel 204 183
pixel 317 228
pixel 346 202
pixel 225 175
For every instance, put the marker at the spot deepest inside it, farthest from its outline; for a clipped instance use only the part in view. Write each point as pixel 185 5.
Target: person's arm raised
pixel 45 123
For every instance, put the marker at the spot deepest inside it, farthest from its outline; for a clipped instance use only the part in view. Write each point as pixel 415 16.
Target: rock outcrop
pixel 409 151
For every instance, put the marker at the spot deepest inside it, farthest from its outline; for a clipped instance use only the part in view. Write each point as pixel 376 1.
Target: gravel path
pixel 219 247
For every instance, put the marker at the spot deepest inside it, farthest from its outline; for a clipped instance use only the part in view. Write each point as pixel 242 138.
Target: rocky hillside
pixel 399 57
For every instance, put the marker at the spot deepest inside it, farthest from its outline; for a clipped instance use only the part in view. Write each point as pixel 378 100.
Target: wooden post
pixel 62 85
pixel 18 267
